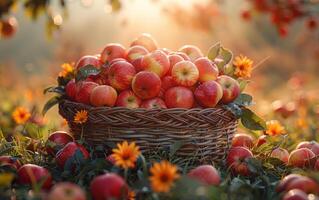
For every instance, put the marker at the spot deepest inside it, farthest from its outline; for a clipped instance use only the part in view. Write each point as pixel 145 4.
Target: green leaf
pixel 33 130
pixel 86 71
pixel 50 103
pixel 53 89
pixel 242 84
pixel 175 147
pixel 244 100
pixel 234 108
pixel 226 55
pixel 213 51
pixel 251 121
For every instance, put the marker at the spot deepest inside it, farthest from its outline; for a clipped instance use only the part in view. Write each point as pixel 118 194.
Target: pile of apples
pixel 305 155
pixel 144 76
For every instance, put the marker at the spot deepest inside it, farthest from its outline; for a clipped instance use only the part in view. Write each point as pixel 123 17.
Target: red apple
pixel 183 55
pixel 185 73
pixel 295 194
pixel 236 160
pixel 112 51
pixel 179 97
pixel 191 51
pixel 66 191
pixel 154 103
pixel 68 151
pixel 146 41
pixel 30 174
pixel 56 141
pixel 281 154
pixel 285 182
pixel 173 59
pixel 135 52
pixel 165 50
pixel 110 159
pixel 103 95
pixel 121 74
pixel 208 94
pixel 10 161
pixel 83 91
pixel 137 63
pixel 316 167
pixel 156 62
pixel 208 71
pixel 231 88
pixel 8 27
pixel 167 82
pixel 243 140
pixel 303 183
pixel 301 158
pixel 206 174
pixel 70 89
pixel 312 145
pixel 261 140
pixel 116 60
pixel 88 60
pixel 128 99
pixel 109 186
pixel 146 85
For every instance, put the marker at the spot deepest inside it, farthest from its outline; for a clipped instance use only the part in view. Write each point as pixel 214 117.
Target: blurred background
pixel 285 52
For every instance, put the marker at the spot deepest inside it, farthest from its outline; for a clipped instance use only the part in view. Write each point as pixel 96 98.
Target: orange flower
pixel 131 195
pixel 243 67
pixel 81 117
pixel 20 115
pixel 125 155
pixel 66 70
pixel 163 176
pixel 274 128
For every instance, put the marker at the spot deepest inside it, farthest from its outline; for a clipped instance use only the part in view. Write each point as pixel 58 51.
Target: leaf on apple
pixel 226 55
pixel 86 71
pixel 251 121
pixel 213 51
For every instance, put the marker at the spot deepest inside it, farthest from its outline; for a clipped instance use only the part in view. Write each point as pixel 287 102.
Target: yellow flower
pixel 20 115
pixel 274 128
pixel 163 176
pixel 243 66
pixel 66 70
pixel 81 117
pixel 125 155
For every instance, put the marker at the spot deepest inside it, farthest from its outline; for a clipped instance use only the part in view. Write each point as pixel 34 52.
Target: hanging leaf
pixel 234 108
pixel 226 55
pixel 53 89
pixel 251 121
pixel 213 51
pixel 86 71
pixel 50 103
pixel 244 100
pixel 242 84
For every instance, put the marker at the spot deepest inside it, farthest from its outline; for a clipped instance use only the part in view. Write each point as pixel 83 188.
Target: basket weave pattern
pixel 205 133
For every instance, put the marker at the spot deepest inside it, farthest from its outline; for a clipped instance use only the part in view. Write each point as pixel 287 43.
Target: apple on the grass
pixel 303 183
pixel 156 62
pixel 285 182
pixel 281 154
pixel 312 145
pixel 84 90
pixel 121 74
pixel 66 191
pixel 103 95
pixel 112 51
pixel 69 151
pixel 205 174
pixel 236 160
pixel 10 161
pixel 135 52
pixel 208 94
pixel 154 103
pixel 231 88
pixel 191 51
pixel 146 85
pixel 295 194
pixel 109 186
pixel 70 89
pixel 302 157
pixel 88 60
pixel 145 40
pixel 179 97
pixel 30 174
pixel 173 59
pixel 56 141
pixel 128 99
pixel 185 73
pixel 243 140
pixel 208 71
pixel 261 140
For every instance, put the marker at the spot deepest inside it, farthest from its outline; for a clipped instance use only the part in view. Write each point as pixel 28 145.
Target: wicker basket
pixel 205 133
